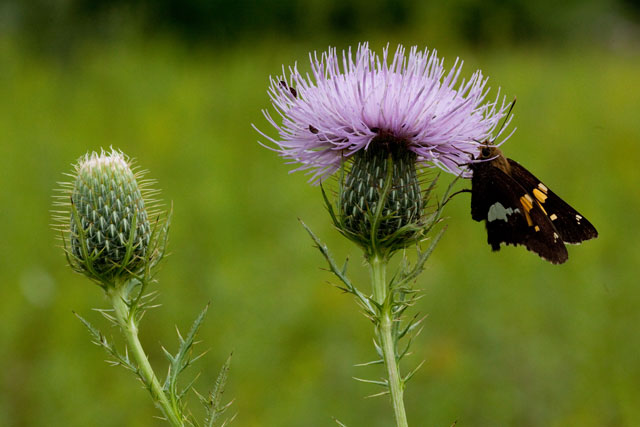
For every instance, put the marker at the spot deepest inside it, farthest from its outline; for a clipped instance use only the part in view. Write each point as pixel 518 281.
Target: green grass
pixel 510 339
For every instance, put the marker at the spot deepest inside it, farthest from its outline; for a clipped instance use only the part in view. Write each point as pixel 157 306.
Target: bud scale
pixel 364 188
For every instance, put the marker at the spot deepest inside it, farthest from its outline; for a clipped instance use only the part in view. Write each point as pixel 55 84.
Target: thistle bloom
pixel 380 119
pixel 348 102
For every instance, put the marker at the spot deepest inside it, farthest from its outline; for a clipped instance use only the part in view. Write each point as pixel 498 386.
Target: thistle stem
pixel 387 341
pixel 126 319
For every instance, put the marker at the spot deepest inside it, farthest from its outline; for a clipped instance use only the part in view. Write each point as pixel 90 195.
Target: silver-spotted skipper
pixel 518 209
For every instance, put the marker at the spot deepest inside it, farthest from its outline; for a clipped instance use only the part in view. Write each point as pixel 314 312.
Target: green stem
pixel 129 328
pixel 387 341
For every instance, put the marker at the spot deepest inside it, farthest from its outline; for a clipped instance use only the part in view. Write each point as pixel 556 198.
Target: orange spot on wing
pixel 527 204
pixel 528 217
pixel 540 205
pixel 539 195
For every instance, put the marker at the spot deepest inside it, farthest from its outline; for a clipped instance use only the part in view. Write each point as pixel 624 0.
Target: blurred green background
pixel 510 340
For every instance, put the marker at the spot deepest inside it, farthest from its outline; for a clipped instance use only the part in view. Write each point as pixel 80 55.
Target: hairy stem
pixel 126 320
pixel 387 342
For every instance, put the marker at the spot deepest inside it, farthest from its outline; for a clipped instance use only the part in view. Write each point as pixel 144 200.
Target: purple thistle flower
pixel 345 103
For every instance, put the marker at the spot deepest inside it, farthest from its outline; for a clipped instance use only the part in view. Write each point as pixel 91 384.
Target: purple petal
pixel 345 102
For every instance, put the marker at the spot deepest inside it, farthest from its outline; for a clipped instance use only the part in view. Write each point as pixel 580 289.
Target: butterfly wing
pixel 571 225
pixel 511 216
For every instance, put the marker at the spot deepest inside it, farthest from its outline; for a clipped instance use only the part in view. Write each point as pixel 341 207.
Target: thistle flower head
pixel 105 220
pixel 348 102
pixel 379 117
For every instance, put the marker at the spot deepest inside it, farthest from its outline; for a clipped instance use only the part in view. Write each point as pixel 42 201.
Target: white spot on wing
pixel 497 211
pixel 578 218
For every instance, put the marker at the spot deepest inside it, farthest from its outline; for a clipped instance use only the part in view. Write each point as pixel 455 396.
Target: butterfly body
pixel 518 209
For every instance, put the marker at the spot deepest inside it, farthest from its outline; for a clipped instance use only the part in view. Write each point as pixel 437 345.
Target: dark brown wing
pixel 511 216
pixel 571 225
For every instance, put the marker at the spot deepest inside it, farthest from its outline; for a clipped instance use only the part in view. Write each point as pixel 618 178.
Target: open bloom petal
pixel 338 108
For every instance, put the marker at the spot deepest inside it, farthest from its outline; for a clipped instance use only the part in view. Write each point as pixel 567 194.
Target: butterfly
pixel 518 209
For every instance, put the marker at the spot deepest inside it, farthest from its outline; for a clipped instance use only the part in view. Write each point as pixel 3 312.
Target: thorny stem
pixel 126 320
pixel 385 332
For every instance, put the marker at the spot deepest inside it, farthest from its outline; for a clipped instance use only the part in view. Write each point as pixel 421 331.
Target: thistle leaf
pixel 412 373
pixel 382 383
pixel 213 402
pixel 99 339
pixel 382 393
pixel 182 358
pixel 337 271
pixel 373 362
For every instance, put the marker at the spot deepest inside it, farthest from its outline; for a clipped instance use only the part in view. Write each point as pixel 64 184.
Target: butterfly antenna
pixel 506 118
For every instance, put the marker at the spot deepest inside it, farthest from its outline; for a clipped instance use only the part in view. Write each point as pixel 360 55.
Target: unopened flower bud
pixel 108 226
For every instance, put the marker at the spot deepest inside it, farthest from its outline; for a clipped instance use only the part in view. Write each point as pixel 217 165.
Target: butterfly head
pixel 488 152
pixel 490 156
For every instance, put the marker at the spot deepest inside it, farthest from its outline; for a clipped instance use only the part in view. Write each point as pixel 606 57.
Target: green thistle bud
pixel 380 201
pixel 108 235
pixel 110 211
